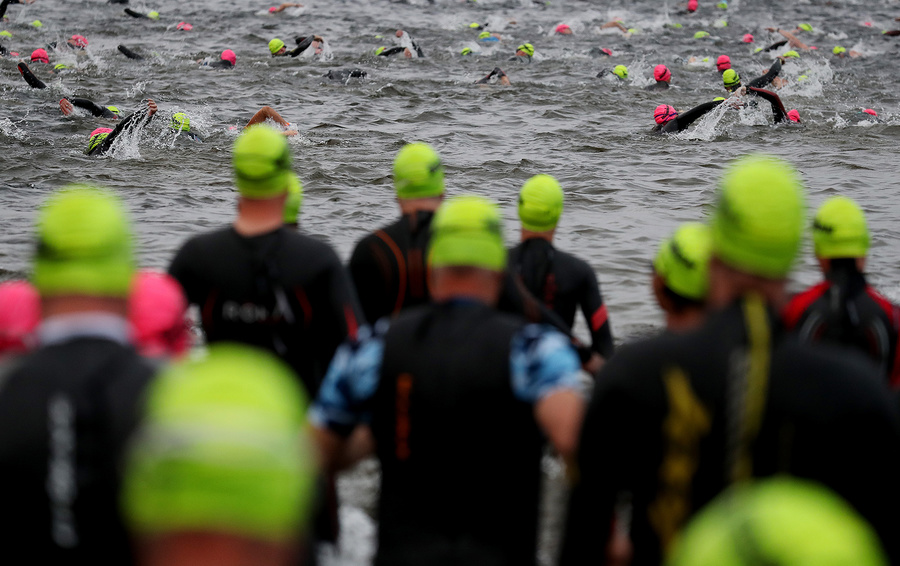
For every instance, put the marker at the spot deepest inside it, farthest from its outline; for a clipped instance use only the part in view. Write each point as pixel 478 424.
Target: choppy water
pixel 625 190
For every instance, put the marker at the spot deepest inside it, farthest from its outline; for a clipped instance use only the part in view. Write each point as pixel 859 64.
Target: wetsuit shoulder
pixel 29 77
pixel 778 111
pixel 129 53
pixel 392 51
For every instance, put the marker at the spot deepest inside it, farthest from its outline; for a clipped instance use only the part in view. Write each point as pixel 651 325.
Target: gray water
pixel 625 190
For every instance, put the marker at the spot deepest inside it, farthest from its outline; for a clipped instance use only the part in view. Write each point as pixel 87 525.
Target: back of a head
pixel 621 71
pixel 294 201
pixel 275 45
pixel 839 230
pixel 228 55
pixel 731 79
pixel 757 225
pixel 662 73
pixel 20 314
pixel 222 450
pixel 682 261
pixel 157 310
pixel 540 203
pixel 84 245
pixel 180 122
pixel 262 163
pixel 723 63
pixel 467 232
pixel 418 172
pixel 784 521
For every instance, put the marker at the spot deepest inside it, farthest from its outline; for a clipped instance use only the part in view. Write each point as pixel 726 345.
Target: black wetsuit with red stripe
pixel 675 419
pixel 282 291
pixel 562 282
pixel 844 309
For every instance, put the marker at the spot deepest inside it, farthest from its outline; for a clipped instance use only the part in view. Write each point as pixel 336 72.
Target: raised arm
pixel 792 39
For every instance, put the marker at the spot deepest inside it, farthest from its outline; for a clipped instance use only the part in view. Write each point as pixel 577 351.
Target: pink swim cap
pixel 664 113
pixel 156 311
pixel 101 131
pixel 870 112
pixel 794 115
pixel 662 73
pixel 40 55
pixel 723 63
pixel 607 50
pixel 79 41
pixel 272 9
pixel 562 28
pixel 184 26
pixel 748 38
pixel 692 5
pixel 228 55
pixel 20 313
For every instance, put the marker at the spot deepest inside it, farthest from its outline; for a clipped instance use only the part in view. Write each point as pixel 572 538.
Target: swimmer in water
pixel 791 39
pixel 402 35
pixel 129 53
pixel 524 53
pixel 102 139
pixel 278 49
pixel 497 72
pixel 284 6
pixel 5 3
pixel 563 29
pixel 269 113
pixel 29 77
pixel 67 107
pixel 345 74
pixel 670 121
pixel 621 71
pixel 731 80
pixel 152 15
pixel 181 125
pixel 842 52
pixel 663 76
pixel 227 60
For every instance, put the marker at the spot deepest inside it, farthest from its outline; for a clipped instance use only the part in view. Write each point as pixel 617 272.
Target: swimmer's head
pixel 563 29
pixel 475 25
pixel 180 122
pixel 380 50
pixel 154 15
pixel 682 261
pixel 272 9
pixel 37 24
pixel 794 115
pixel 184 26
pixel 261 159
pixel 78 41
pixel 466 51
pixel 718 99
pixel 869 111
pixel 805 27
pixel 525 49
pixel 484 35
pixel 60 67
pixel 662 73
pixel 723 5
pixel 418 172
pixel 467 231
pixel 540 203
pixel 276 46
pixel 748 38
pixel 839 50
pixel 228 55
pixel 5 33
pixel 723 63
pixel 607 51
pixel 692 5
pixel 701 35
pixel 840 230
pixel 39 55
pixel 731 79
pixel 620 71
pixel 664 113
pixel 791 54
pixel 97 137
pixel 114 109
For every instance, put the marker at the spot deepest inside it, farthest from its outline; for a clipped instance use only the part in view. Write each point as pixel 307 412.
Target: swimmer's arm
pixel 303 44
pixel 762 81
pixel 392 51
pixel 134 14
pixel 778 110
pixel 615 24
pixel 687 118
pixel 126 123
pixel 792 39
pixel 29 77
pixel 3 6
pixel 88 105
pixel 776 45
pixel 267 113
pixel 287 5
pixel 129 53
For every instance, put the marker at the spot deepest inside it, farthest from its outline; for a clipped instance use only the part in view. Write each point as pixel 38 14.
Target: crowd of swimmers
pixel 757 428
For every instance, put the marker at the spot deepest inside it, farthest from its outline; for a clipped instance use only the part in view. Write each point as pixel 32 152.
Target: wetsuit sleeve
pixel 134 14
pixel 370 270
pixel 93 108
pixel 220 65
pixel 596 314
pixel 776 45
pixel 126 123
pixel 762 81
pixel 418 49
pixel 686 119
pixel 542 362
pixel 302 45
pixel 344 399
pixel 778 110
pixel 3 6
pixel 29 77
pixel 129 53
pixel 392 51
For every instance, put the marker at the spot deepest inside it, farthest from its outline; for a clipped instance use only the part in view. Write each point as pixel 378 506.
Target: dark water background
pixel 625 190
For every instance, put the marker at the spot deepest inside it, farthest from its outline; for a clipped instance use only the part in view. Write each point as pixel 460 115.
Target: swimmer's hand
pixel 289 133
pixel 66 107
pixel 151 107
pixel 318 38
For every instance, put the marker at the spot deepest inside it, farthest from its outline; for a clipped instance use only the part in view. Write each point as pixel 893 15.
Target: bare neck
pixel 75 304
pixel 472 283
pixel 212 549
pixel 684 320
pixel 727 285
pixel 259 216
pixel 414 205
pixel 528 235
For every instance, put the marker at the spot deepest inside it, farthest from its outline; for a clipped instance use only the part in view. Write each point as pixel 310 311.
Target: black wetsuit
pixel 136 120
pixel 220 64
pixel 670 425
pixel 775 45
pixel 844 309
pixel 765 79
pixel 345 74
pixel 685 119
pixel 281 291
pixel 4 4
pixel 129 53
pixel 778 111
pixel 134 14
pixel 563 282
pixel 29 77
pixel 66 412
pixel 94 109
pixel 659 85
pixel 392 51
pixel 303 44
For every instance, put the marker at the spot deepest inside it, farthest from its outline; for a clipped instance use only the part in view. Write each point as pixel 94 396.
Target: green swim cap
pixel 418 172
pixel 838 50
pixel 181 122
pixel 466 51
pixel 294 201
pixel 758 49
pixel 839 229
pixel 540 203
pixel 791 53
pixel 718 98
pixel 785 521
pixel 805 27
pixel 731 79
pixel 757 225
pixel 674 25
pixel 262 163
pixel 467 231
pixel 379 50
pixel 84 245
pixel 275 46
pixel 485 34
pixel 222 449
pixel 475 25
pixel 5 33
pixel 722 5
pixel 527 48
pixel 621 71
pixel 114 109
pixel 701 34
pixel 60 67
pixel 37 24
pixel 683 261
pixel 153 15
pixel 633 31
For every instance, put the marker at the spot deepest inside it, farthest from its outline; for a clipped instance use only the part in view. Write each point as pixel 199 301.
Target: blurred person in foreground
pixel 681 276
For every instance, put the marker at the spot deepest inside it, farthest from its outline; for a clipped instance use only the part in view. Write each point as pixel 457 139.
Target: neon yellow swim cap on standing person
pixel 294 201
pixel 757 225
pixel 540 203
pixel 782 520
pixel 418 172
pixel 840 230
pixel 467 232
pixel 262 163
pixel 84 245
pixel 222 449
pixel 683 261
pixel 275 45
